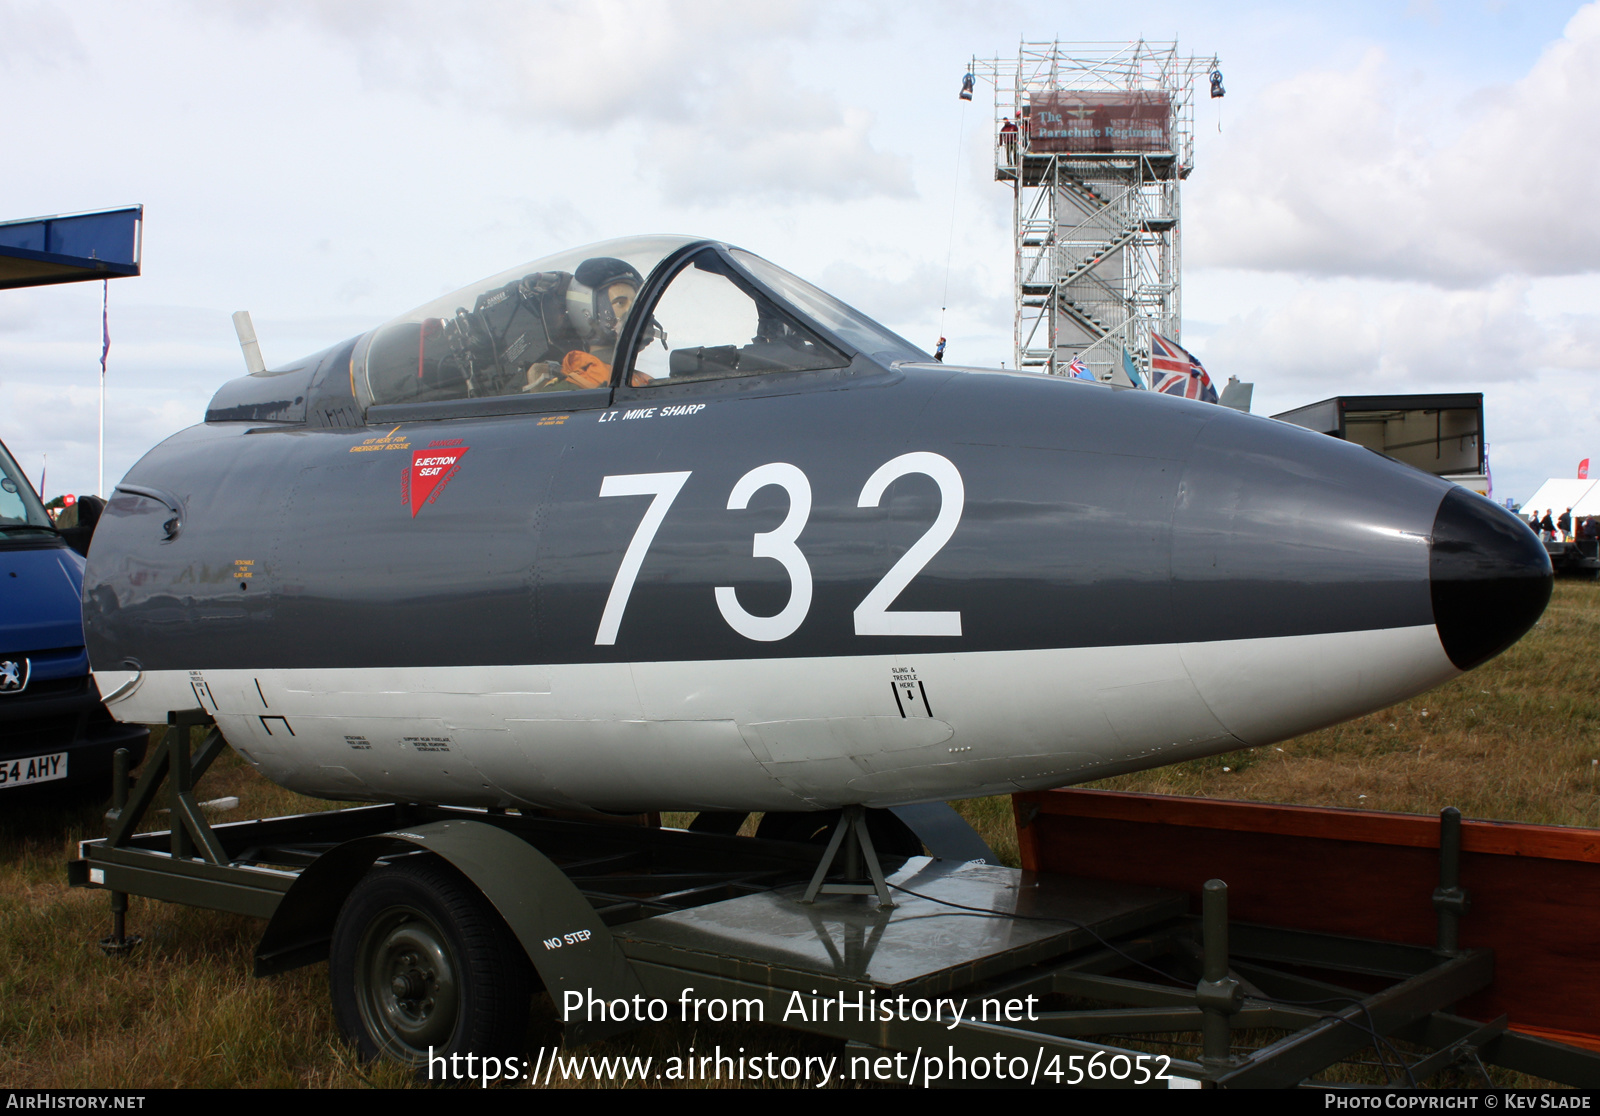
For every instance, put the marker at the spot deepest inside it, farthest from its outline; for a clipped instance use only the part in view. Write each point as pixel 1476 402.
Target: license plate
pixel 34 769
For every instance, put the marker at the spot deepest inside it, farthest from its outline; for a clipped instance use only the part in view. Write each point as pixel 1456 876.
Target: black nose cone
pixel 1490 578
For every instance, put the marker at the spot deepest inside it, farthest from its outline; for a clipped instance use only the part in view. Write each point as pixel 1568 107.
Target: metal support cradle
pixel 191 833
pixel 859 859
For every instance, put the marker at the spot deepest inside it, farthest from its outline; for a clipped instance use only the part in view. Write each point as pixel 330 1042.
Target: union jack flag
pixel 1079 371
pixel 1176 372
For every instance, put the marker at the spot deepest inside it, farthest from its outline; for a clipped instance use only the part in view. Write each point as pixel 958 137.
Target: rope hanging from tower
pixel 967 82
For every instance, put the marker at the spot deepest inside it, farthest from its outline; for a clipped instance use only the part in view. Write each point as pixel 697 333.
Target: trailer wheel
pixel 421 964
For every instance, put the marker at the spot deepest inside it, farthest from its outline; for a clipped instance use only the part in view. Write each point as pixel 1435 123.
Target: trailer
pixel 933 969
pixel 1575 558
pixel 1440 433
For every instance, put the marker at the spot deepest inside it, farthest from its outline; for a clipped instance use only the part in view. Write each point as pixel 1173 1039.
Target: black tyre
pixel 421 964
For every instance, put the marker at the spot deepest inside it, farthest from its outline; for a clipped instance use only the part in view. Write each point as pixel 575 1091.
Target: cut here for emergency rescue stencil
pixel 431 469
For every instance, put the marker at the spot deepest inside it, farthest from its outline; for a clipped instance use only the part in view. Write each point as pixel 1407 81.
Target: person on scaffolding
pixel 1008 137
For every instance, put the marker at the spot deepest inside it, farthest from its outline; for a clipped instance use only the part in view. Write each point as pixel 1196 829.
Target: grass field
pixel 1516 739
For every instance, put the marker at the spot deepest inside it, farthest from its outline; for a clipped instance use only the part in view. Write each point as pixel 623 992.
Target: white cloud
pixel 18 312
pixel 1337 173
pixel 908 294
pixel 828 154
pixel 63 422
pixel 1539 429
pixel 1539 371
pixel 320 159
pixel 1342 337
pixel 37 32
pixel 703 95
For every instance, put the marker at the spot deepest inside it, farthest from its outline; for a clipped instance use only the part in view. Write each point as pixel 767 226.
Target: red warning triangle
pixel 431 470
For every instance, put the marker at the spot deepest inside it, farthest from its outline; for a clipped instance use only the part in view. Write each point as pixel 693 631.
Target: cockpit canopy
pixel 670 308
pixel 667 309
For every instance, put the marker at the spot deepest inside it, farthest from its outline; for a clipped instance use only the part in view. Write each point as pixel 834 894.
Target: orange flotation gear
pixel 585 370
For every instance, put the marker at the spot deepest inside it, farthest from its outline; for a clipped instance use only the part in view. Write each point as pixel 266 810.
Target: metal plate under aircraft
pixel 922 946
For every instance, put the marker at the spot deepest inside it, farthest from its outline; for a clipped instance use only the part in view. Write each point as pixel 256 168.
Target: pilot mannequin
pixel 548 331
pixel 599 300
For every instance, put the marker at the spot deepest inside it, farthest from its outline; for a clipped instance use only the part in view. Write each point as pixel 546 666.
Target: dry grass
pixel 1515 739
pixel 184 1010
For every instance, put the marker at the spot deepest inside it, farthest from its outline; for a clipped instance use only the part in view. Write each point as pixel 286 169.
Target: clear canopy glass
pixel 842 320
pixel 553 325
pixel 549 325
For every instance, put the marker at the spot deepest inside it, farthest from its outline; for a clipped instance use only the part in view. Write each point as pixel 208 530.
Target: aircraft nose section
pixel 1489 577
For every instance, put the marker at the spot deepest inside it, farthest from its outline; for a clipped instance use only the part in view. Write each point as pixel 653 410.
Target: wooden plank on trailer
pixel 1534 889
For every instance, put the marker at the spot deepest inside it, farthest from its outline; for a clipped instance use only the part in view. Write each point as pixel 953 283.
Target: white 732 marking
pixel 872 615
pixel 664 487
pixel 779 545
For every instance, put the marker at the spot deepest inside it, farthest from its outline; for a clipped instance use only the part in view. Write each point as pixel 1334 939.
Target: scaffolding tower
pixel 1095 139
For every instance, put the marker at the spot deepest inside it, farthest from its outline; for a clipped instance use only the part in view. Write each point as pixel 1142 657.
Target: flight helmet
pixel 592 304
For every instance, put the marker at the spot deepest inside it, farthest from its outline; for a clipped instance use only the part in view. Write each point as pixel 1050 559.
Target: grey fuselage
pixel 1001 581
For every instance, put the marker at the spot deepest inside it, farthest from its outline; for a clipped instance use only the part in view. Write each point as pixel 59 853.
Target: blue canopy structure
pixel 71 247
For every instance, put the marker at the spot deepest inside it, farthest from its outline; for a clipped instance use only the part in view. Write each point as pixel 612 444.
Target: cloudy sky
pixel 1390 198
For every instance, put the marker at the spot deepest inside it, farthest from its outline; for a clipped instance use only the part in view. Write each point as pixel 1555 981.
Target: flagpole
pixel 105 347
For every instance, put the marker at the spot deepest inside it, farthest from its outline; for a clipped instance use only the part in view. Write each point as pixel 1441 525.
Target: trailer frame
pixel 614 911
